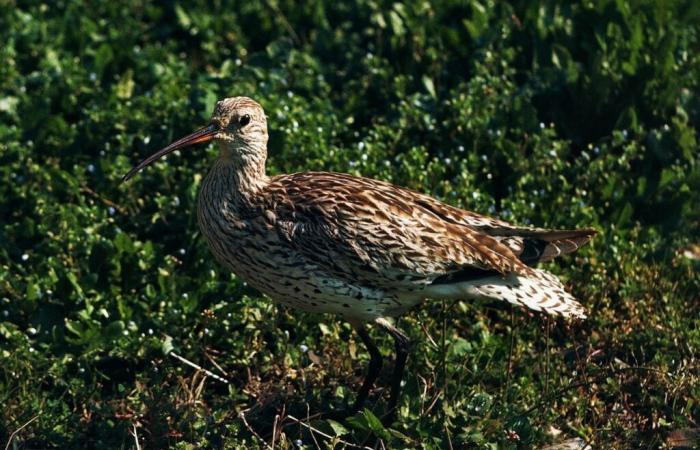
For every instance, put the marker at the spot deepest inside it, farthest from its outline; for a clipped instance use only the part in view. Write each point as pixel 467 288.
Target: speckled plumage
pixel 361 248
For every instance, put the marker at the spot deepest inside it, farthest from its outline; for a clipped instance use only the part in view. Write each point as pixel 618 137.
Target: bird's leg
pixel 375 366
pixel 403 345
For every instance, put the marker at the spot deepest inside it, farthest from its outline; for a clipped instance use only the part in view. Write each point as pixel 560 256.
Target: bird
pixel 360 248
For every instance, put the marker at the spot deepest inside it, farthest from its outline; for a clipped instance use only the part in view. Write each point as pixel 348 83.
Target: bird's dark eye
pixel 244 120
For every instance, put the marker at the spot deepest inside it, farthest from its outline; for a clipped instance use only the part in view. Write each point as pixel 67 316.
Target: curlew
pixel 360 248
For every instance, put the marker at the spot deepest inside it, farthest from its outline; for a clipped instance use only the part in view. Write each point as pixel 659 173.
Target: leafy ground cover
pixel 560 115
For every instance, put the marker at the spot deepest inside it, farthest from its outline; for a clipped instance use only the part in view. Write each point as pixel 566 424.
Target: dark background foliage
pixel 579 114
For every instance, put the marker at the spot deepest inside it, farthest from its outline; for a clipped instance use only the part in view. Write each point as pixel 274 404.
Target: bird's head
pixel 238 124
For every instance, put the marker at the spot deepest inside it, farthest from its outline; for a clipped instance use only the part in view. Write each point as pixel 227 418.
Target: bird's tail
pixel 537 290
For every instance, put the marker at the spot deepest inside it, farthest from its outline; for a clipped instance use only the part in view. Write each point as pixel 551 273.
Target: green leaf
pixel 624 216
pixel 365 420
pixel 182 17
pixel 8 104
pixel 429 86
pixel 338 428
pixel 75 327
pixel 667 175
pixel 114 330
pixel 103 56
pixel 125 87
pixel 73 280
pixel 396 23
pixel 167 345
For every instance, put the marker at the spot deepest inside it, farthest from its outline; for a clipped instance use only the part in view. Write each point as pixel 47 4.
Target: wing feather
pixel 383 234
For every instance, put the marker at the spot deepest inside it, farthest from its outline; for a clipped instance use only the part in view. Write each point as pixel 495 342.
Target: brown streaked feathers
pixel 333 218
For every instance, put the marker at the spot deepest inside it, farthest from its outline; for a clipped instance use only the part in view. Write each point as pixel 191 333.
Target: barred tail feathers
pixel 538 290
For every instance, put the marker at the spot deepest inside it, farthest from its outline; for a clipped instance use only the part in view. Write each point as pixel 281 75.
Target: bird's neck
pixel 240 177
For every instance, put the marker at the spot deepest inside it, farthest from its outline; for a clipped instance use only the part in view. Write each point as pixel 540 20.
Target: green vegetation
pixel 583 114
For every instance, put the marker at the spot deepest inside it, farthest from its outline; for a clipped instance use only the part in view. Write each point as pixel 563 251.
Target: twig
pixel 135 434
pixel 106 201
pixel 285 23
pixel 245 422
pixel 274 430
pixel 547 367
pixel 449 438
pixel 423 395
pixel 213 361
pixel 313 436
pixel 443 369
pixel 435 399
pixel 14 433
pixel 201 369
pixel 327 436
pixel 427 334
pixel 509 371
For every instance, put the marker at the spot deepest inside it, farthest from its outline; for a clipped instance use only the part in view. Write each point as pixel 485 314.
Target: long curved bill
pixel 205 134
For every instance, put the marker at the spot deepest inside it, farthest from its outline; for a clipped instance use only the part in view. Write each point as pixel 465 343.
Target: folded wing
pixel 395 238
